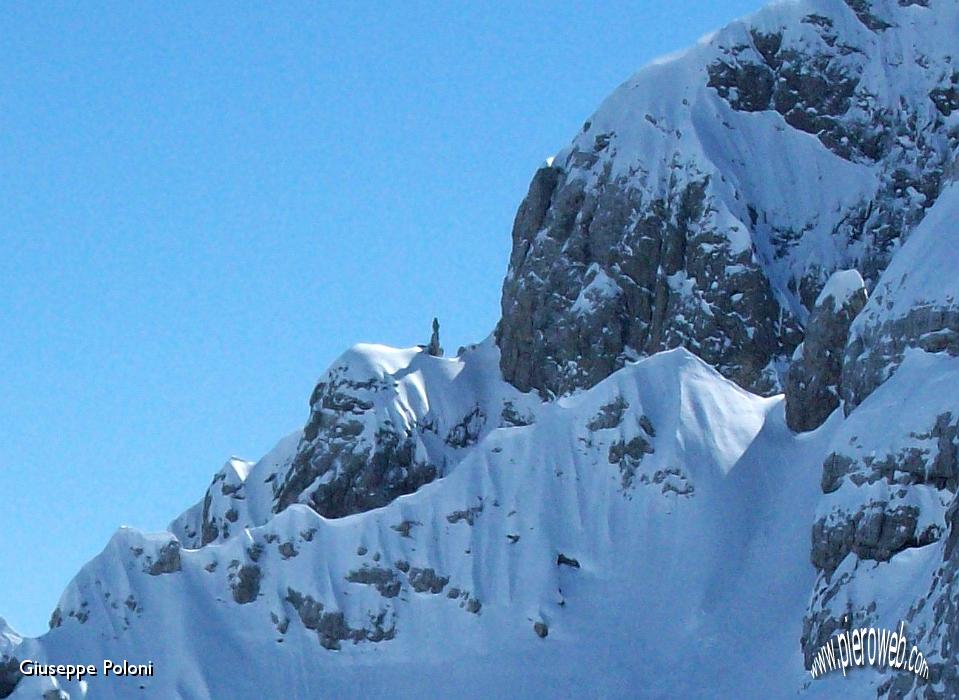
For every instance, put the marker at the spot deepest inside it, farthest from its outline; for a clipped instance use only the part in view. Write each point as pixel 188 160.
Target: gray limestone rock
pixel 366 461
pixel 332 627
pixel 612 260
pixel 814 379
pixel 9 675
pixel 468 515
pixel 628 455
pixel 875 532
pixel 512 417
pixel 246 585
pixel 605 274
pixel 405 527
pixel 384 580
pixel 609 416
pixel 426 580
pixel 877 350
pixel 916 470
pixel 167 560
pixel 468 430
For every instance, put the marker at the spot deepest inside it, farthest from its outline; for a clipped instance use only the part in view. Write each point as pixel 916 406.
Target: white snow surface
pixel 700 564
pixel 8 638
pixel 840 287
pixel 915 278
pixel 408 388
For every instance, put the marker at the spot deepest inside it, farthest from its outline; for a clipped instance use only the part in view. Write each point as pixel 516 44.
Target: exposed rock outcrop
pixel 9 665
pixel 891 476
pixel 332 627
pixel 246 585
pixel 914 305
pixel 813 383
pixel 167 560
pixel 353 457
pixel 9 675
pixel 610 272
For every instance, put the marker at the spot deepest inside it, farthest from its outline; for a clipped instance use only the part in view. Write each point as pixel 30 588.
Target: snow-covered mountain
pixel 710 197
pixel 609 496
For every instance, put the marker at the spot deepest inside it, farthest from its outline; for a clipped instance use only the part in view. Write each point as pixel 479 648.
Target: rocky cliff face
pixel 606 272
pixel 352 457
pixel 914 306
pixel 891 476
pixel 710 197
pixel 704 206
pixel 814 379
pixel 383 422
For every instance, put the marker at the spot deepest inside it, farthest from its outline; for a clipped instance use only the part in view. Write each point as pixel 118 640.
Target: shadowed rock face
pixel 361 460
pixel 875 352
pixel 167 561
pixel 331 626
pixel 813 383
pixel 941 637
pixel 246 586
pixel 602 275
pixel 630 242
pixel 820 88
pixel 858 529
pixel 9 675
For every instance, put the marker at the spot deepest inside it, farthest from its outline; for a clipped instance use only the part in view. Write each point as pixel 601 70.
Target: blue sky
pixel 203 204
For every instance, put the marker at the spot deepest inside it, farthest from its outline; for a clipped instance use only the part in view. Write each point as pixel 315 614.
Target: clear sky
pixel 203 204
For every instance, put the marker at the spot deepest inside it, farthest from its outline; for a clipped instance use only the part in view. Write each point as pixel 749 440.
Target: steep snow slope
pixel 578 526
